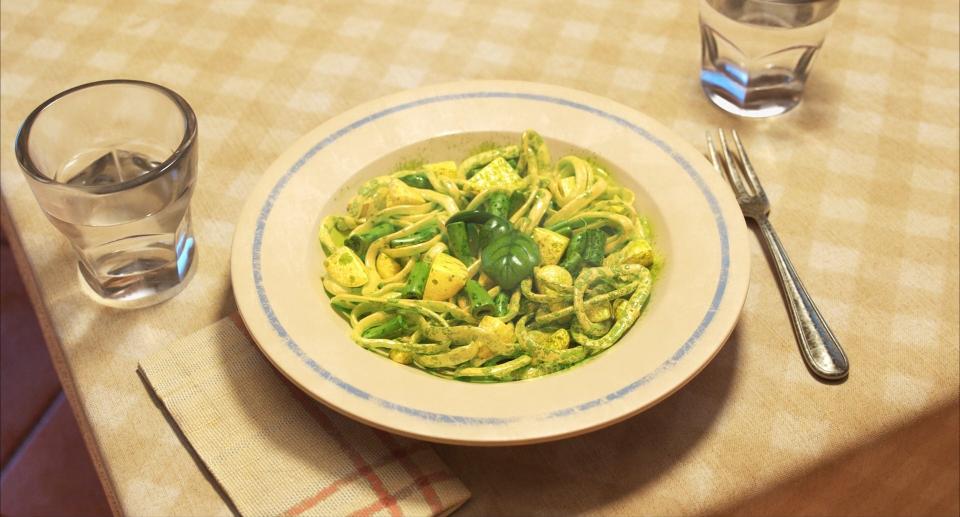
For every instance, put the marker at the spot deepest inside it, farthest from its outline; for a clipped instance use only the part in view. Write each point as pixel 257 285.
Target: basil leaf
pixel 492 229
pixel 469 216
pixel 510 258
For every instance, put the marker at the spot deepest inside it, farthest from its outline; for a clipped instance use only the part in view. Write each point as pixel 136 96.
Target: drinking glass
pixel 756 54
pixel 113 165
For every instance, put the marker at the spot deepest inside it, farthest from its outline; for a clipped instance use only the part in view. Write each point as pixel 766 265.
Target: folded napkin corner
pixel 275 451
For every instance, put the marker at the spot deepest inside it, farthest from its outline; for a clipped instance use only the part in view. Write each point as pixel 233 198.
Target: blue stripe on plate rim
pixel 470 420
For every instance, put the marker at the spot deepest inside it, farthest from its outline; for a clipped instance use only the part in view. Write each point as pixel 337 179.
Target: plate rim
pixel 644 125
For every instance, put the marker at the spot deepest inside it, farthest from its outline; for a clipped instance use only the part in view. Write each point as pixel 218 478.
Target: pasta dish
pixel 504 266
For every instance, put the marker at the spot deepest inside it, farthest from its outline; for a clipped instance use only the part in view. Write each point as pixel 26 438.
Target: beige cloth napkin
pixel 274 451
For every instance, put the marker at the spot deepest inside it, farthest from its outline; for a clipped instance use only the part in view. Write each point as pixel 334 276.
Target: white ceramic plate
pixel 276 263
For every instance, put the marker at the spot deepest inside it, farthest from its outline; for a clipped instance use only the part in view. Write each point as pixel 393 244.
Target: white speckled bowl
pixel 694 306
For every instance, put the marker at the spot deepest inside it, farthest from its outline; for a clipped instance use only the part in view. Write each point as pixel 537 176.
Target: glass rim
pixel 22 151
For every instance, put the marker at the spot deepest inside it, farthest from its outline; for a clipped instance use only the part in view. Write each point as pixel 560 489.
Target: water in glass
pixel 132 244
pixel 757 54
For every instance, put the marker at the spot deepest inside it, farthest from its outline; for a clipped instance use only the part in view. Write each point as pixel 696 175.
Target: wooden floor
pixel 914 471
pixel 46 468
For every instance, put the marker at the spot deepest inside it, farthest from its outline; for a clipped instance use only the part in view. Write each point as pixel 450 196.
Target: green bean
pixel 361 241
pixel 568 225
pixel 498 204
pixel 480 200
pixel 459 241
pixel 501 303
pixel 416 237
pixel 480 301
pixel 573 257
pixel 593 244
pixel 342 309
pixel 470 216
pixel 412 249
pixel 520 212
pixel 609 219
pixel 393 327
pixel 417 281
pixel 417 180
pixel 517 199
pixel 473 239
pixel 513 307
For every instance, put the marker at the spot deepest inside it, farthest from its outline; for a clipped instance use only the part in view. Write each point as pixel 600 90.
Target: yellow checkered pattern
pixel 863 178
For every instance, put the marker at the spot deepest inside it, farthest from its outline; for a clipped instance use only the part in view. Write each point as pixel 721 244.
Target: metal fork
pixel 818 345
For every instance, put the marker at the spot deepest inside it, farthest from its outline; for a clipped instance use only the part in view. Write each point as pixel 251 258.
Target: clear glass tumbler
pixel 113 165
pixel 756 54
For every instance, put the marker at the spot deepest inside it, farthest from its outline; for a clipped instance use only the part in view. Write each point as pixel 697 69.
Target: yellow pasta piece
pixel 387 266
pixel 551 244
pixel 567 186
pixel 635 252
pixel 447 277
pixel 496 174
pixel 447 169
pixel 399 193
pixel 346 268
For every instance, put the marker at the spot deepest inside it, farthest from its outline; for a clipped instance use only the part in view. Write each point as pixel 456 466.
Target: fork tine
pixel 732 169
pixel 747 166
pixel 713 155
pixel 718 163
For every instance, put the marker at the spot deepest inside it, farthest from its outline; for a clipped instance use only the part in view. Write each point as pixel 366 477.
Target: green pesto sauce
pixel 483 147
pixel 410 164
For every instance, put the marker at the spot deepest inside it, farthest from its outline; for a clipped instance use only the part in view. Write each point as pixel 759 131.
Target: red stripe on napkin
pixel 332 488
pixel 429 494
pixel 420 482
pixel 363 468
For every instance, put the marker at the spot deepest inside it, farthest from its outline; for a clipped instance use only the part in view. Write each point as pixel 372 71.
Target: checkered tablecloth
pixel 863 178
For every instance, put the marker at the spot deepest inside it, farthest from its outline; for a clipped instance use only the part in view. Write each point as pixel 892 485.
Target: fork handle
pixel 818 345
